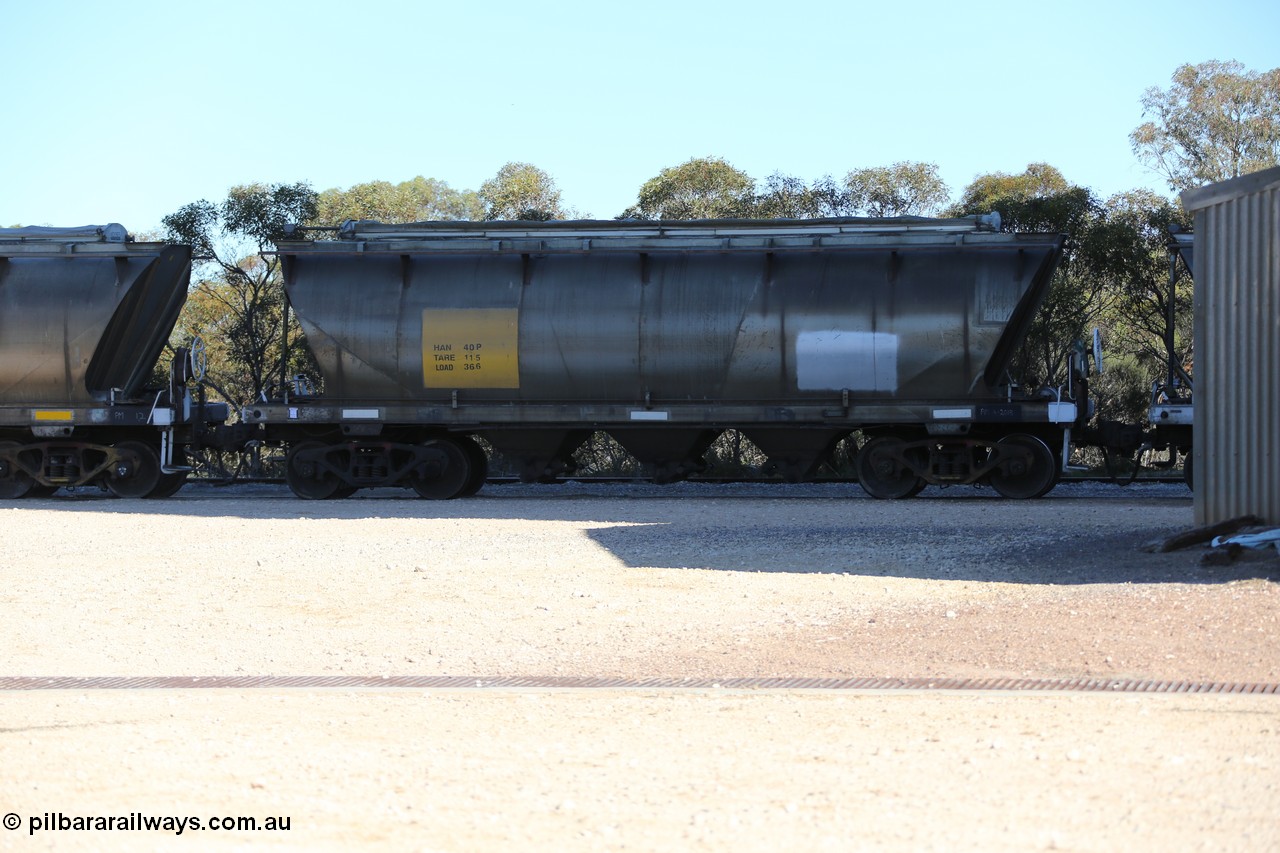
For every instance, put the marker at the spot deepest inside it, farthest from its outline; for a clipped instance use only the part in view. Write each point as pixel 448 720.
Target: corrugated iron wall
pixel 1237 347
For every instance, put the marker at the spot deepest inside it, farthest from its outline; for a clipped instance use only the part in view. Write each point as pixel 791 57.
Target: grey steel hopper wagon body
pixel 665 334
pixel 84 316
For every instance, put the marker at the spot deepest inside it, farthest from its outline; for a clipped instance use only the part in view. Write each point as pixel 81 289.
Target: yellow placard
pixel 51 415
pixel 471 348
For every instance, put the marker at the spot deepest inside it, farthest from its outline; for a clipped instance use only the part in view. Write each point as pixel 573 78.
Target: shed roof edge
pixel 1211 194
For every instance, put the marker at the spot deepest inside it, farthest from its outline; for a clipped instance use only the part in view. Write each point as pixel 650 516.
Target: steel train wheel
pixel 305 478
pixel 137 473
pixel 1022 478
pixel 14 483
pixel 441 483
pixel 881 472
pixel 479 466
pixel 169 485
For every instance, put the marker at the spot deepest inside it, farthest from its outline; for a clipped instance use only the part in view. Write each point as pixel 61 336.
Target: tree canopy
pixel 1216 121
pixel 1038 180
pixel 903 189
pixel 711 188
pixel 789 197
pixel 237 304
pixel 1138 224
pixel 701 188
pixel 417 200
pixel 1042 200
pixel 522 191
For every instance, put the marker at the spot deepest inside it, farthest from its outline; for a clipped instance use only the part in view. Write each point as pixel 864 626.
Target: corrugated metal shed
pixel 1237 327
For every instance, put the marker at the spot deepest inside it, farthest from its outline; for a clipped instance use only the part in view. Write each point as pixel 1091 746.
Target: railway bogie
pixel 436 467
pixel 1015 464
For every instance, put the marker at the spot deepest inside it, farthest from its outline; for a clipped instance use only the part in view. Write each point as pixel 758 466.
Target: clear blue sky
pixel 127 111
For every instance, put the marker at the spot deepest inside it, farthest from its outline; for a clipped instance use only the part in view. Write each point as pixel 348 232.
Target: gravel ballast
pixel 635 581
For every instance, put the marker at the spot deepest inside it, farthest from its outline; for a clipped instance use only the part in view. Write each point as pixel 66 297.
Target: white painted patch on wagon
pixel 1062 413
pixel 835 360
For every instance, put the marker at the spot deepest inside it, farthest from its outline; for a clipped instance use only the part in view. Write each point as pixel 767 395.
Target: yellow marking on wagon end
pixel 471 348
pixel 51 415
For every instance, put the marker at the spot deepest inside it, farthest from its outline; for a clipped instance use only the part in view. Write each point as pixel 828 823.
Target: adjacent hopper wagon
pixel 84 316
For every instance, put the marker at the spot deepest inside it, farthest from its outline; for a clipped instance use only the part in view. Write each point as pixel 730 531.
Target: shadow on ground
pixel 1079 534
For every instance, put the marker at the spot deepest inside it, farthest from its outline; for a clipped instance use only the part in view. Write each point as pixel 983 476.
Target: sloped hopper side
pixel 141 324
pixel 1041 267
pixel 74 327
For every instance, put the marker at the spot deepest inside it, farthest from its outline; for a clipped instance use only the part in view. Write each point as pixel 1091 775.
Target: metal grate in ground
pixel 449 682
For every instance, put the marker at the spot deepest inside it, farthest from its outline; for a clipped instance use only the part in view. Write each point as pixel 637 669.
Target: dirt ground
pixel 631 582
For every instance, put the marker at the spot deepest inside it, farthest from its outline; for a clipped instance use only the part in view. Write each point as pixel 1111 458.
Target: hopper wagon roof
pixel 717 235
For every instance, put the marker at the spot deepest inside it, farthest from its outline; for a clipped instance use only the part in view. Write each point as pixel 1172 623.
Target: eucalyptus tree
pixel 1042 200
pixel 522 191
pixel 1216 121
pixel 417 200
pixel 1038 180
pixel 700 188
pixel 237 303
pixel 789 197
pixel 902 189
